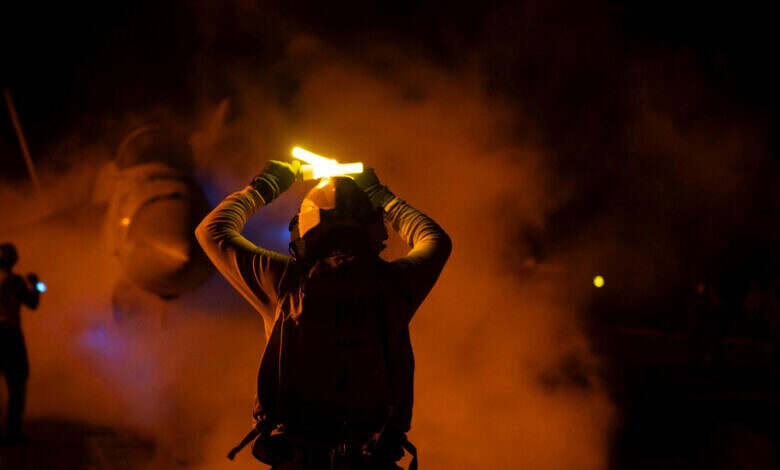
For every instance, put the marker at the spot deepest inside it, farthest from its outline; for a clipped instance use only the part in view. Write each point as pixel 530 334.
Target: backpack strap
pixel 263 427
pixel 409 447
pixel 251 435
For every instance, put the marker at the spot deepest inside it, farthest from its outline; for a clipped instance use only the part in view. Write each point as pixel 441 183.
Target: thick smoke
pixel 505 375
pixel 489 390
pixel 489 348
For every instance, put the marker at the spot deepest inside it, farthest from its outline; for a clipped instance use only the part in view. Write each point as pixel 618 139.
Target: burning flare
pixel 321 167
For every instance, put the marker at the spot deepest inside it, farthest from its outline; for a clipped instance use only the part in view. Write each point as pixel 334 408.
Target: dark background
pixel 64 61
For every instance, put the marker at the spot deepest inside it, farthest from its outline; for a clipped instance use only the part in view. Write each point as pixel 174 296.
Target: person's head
pixel 8 256
pixel 336 216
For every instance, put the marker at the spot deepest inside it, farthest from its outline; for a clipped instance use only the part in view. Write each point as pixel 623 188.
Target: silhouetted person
pixel 15 291
pixel 335 380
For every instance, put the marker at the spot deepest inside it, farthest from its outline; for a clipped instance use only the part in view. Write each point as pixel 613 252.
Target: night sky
pixel 69 66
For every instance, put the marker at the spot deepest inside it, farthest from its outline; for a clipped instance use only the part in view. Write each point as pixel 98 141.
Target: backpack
pixel 326 364
pixel 326 373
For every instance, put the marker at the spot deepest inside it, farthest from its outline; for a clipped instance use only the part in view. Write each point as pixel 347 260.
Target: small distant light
pixel 40 286
pixel 598 281
pixel 125 222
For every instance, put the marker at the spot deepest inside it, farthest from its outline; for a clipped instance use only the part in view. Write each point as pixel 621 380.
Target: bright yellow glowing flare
pixel 312 158
pixel 331 170
pixel 125 222
pixel 598 281
pixel 321 167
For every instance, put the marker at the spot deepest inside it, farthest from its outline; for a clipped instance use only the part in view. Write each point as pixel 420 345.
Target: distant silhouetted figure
pixel 15 291
pixel 335 380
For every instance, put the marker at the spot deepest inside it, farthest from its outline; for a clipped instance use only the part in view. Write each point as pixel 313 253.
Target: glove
pixel 368 182
pixel 366 179
pixel 276 178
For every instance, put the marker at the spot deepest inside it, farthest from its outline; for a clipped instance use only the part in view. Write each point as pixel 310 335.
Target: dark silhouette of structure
pixel 335 380
pixel 15 291
pixel 153 206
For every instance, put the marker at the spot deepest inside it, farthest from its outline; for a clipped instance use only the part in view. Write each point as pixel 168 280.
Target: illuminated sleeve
pixel 253 271
pixel 431 247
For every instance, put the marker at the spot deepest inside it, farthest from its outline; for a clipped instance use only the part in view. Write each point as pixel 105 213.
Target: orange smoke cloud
pixel 505 376
pixel 485 341
pixel 492 388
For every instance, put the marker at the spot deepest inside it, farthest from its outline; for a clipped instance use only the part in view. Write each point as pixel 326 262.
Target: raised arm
pixel 253 271
pixel 430 245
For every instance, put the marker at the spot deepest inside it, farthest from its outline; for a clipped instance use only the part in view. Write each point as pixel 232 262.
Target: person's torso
pixel 339 353
pixel 10 301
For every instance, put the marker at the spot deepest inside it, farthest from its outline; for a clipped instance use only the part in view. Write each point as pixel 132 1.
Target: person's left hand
pixel 285 173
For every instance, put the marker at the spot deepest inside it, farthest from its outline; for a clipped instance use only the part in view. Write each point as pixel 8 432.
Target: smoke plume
pixel 505 374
